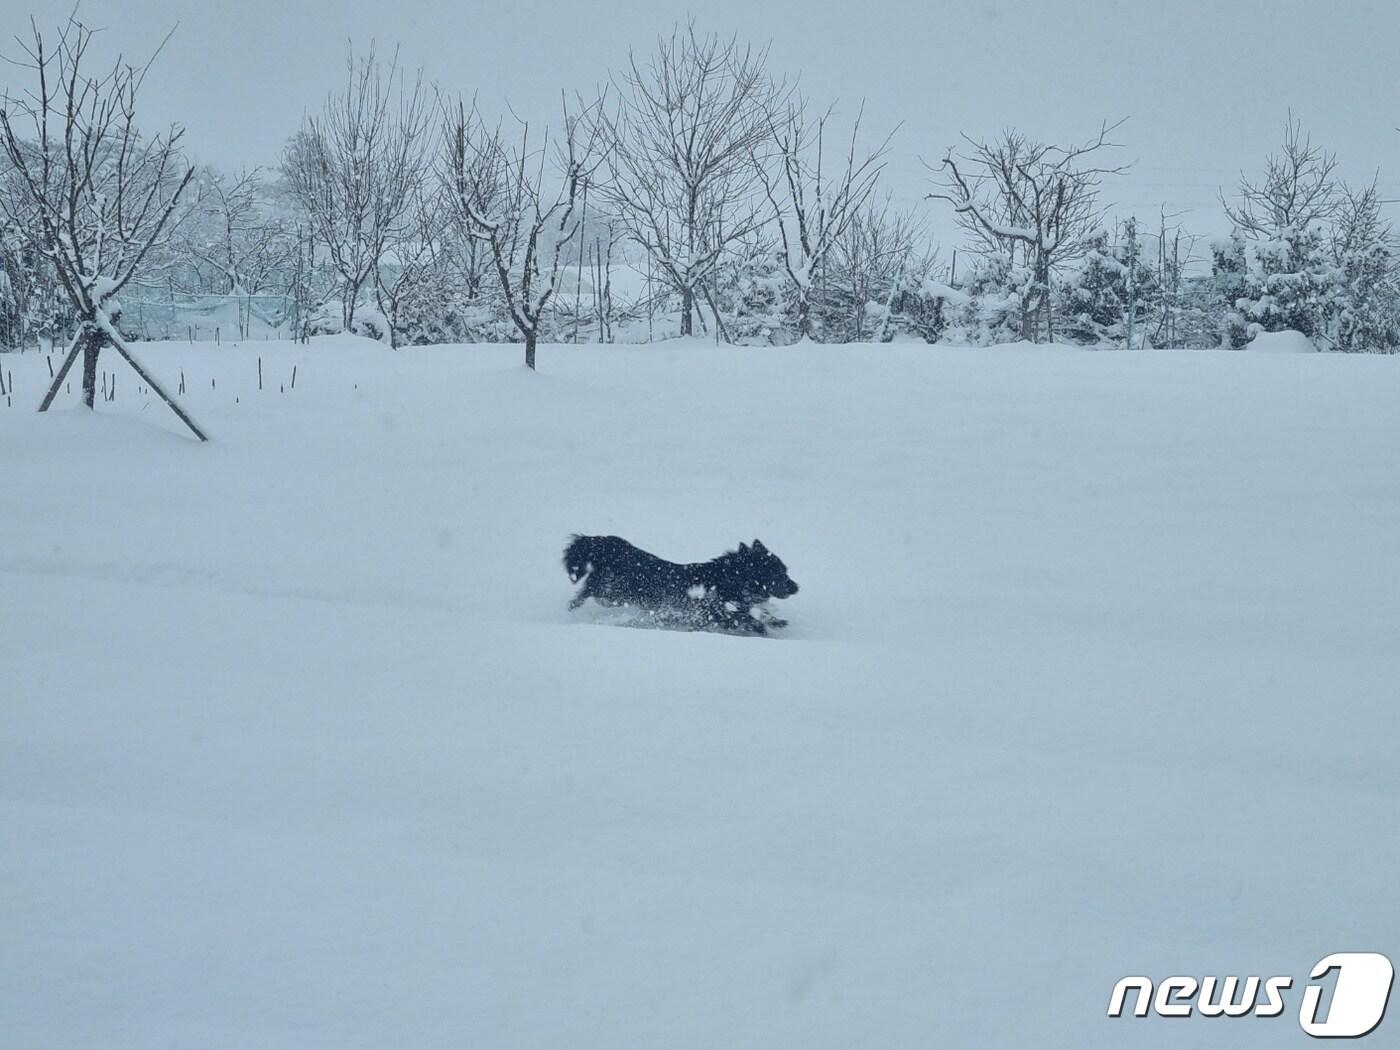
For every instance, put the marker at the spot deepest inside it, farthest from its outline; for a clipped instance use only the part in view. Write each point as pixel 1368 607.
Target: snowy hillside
pixel 1093 672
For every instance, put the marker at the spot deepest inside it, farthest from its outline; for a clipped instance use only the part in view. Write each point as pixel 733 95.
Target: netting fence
pixel 153 313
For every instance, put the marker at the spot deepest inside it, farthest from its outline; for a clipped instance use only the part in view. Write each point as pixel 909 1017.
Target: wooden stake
pixel 62 372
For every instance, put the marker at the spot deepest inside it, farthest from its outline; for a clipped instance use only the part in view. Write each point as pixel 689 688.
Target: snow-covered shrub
pixel 1283 284
pixel 921 308
pixel 1288 283
pixel 1112 291
pixel 1092 300
pixel 758 304
pixel 326 318
pixel 371 324
pixel 1275 273
pixel 990 313
pixel 1228 283
pixel 1363 312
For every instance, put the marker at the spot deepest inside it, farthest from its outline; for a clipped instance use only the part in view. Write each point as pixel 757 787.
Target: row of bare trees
pixel 693 154
pixel 751 209
pixel 699 162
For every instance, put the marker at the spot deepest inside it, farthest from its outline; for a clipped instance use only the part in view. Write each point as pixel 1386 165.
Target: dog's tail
pixel 578 557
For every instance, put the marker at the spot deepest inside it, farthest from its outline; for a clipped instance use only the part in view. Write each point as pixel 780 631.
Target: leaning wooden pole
pixel 63 370
pixel 125 351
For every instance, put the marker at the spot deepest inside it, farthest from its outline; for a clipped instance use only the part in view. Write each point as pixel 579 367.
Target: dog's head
pixel 762 574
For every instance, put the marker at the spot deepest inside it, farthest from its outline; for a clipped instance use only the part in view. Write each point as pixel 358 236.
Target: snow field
pixel 1093 672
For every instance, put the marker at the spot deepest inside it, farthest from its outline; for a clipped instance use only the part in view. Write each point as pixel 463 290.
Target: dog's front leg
pixel 752 626
pixel 768 617
pixel 588 590
pixel 738 618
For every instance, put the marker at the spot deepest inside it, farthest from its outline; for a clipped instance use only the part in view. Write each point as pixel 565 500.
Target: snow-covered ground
pixel 1095 671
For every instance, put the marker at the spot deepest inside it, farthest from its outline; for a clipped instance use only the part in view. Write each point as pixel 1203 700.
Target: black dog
pixel 720 593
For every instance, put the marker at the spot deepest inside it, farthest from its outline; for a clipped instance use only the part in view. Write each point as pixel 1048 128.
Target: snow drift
pixel 1286 342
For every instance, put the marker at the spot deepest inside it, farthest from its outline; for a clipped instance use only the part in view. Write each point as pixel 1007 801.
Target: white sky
pixel 1206 85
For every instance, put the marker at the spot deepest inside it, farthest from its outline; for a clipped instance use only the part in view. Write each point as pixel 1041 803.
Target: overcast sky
pixel 1206 85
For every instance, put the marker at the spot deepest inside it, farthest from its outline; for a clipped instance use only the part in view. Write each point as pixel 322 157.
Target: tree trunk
pixel 1030 318
pixel 352 301
pixel 1043 277
pixel 530 351
pixel 687 309
pixel 804 316
pixel 92 345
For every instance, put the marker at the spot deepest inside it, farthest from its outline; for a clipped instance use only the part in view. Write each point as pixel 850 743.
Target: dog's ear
pixel 758 545
pixel 743 548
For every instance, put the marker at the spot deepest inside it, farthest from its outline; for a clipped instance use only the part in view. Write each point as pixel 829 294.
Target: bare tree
pixel 235 235
pixel 530 215
pixel 413 257
pixel 1299 188
pixel 679 150
pixel 1029 199
pixel 600 269
pixel 235 243
pixel 467 172
pixel 356 168
pixel 101 196
pixel 872 257
pixel 1176 252
pixel 811 204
